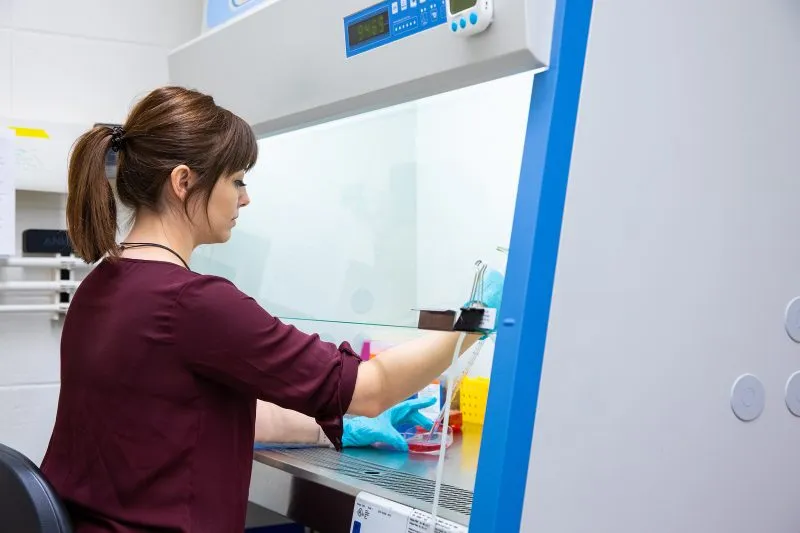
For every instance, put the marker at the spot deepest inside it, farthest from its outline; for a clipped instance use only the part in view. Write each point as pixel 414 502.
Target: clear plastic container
pixel 425 442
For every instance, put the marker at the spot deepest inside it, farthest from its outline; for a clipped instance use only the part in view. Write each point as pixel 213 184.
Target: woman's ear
pixel 180 181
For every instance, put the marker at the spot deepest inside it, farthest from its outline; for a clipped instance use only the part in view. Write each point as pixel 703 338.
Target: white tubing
pixel 67 263
pixel 464 364
pixel 59 286
pixel 47 308
pixel 445 433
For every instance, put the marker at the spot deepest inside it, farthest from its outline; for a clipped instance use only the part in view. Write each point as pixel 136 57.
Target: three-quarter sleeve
pixel 226 336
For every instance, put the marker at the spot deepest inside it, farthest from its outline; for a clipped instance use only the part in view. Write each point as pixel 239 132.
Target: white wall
pixel 81 61
pixel 678 256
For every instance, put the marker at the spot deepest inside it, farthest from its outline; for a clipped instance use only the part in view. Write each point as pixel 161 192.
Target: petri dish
pixel 425 442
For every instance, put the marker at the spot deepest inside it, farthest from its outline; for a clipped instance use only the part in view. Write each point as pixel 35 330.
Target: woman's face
pixel 227 197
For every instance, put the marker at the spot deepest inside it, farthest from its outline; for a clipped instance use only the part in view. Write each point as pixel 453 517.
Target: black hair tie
pixel 116 138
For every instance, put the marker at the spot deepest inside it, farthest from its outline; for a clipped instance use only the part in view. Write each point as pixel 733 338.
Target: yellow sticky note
pixel 30 132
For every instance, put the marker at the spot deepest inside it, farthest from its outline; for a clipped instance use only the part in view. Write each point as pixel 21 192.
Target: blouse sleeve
pixel 226 336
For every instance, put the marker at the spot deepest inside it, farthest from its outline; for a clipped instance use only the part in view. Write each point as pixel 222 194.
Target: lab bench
pixel 317 487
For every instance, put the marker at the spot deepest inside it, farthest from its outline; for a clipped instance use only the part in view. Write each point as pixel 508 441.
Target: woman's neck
pixel 152 228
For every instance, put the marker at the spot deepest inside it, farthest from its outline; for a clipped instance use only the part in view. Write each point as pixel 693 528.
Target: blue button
pixel 473 18
pixel 454 26
pixel 463 23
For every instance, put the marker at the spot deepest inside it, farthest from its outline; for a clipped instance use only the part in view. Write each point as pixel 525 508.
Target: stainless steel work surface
pixel 317 486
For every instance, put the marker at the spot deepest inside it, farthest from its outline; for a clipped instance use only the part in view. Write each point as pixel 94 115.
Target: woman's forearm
pixel 403 370
pixel 276 424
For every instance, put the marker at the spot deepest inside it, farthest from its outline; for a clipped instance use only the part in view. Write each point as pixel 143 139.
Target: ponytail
pixel 91 208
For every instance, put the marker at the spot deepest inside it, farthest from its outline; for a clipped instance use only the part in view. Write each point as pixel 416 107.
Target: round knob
pixel 747 398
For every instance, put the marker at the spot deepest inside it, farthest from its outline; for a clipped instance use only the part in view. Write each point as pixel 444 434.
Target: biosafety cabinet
pixel 639 195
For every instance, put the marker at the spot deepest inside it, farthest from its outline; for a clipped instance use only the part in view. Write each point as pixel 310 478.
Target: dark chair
pixel 28 504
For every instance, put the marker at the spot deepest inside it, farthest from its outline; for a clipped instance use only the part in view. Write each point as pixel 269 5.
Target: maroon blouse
pixel 160 371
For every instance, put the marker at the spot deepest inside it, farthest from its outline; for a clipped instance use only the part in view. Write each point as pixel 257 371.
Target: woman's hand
pixel 385 428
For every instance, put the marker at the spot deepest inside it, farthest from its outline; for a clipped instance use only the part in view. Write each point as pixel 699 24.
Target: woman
pixel 161 368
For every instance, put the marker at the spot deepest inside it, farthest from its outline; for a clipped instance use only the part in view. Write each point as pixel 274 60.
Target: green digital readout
pixel 457 6
pixel 369 28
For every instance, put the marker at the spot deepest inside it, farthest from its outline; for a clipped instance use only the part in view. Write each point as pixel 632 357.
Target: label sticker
pixel 373 514
pixel 37 133
pixel 489 318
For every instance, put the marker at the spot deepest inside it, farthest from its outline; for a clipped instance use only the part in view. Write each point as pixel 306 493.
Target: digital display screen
pixel 457 6
pixel 369 28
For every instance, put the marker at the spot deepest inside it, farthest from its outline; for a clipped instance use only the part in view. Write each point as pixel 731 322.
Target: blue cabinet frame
pixel 519 353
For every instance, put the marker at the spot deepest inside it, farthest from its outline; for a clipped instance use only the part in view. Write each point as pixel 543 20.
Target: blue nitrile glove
pixel 493 288
pixel 492 294
pixel 364 431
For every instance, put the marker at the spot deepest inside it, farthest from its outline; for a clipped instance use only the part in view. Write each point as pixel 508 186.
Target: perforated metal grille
pixel 452 498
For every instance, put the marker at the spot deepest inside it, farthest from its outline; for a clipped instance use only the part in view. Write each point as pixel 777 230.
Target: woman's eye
pixel 240 183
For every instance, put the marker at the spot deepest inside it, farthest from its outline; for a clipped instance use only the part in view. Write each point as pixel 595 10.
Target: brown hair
pixel 170 126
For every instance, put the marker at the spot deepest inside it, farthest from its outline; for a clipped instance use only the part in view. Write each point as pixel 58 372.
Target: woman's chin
pixel 224 236
pixel 219 237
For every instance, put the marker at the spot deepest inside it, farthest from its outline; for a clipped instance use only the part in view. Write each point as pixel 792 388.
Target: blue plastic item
pixel 493 289
pixel 492 295
pixel 386 428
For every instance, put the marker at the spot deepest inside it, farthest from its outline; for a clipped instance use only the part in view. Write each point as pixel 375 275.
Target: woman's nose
pixel 244 199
